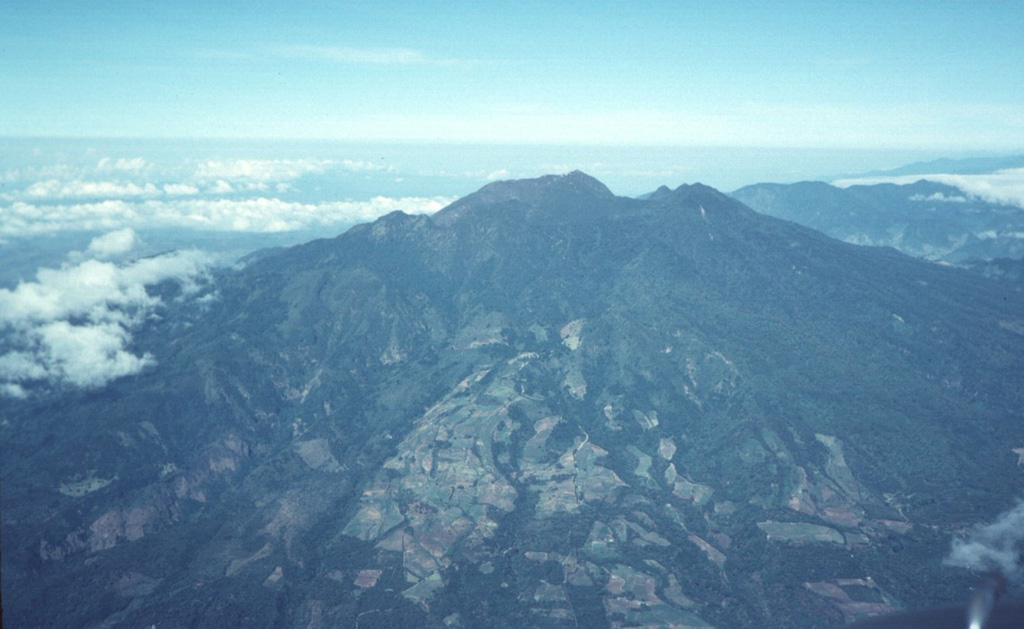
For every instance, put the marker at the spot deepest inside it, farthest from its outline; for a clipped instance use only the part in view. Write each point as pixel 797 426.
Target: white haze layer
pixel 1004 187
pixel 996 546
pixel 72 325
pixel 260 215
pixel 220 195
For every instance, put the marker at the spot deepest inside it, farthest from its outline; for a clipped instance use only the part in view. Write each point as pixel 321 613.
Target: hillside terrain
pixel 544 405
pixel 923 219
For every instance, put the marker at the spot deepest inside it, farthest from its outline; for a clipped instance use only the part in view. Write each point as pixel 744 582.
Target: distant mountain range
pixel 962 166
pixel 924 219
pixel 544 405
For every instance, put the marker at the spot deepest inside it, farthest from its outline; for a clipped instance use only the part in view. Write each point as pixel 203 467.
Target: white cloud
pixel 97 291
pixel 274 215
pixel 996 546
pixel 73 325
pixel 113 244
pixel 26 219
pixel 498 174
pixel 939 198
pixel 220 187
pixel 1004 187
pixel 55 189
pixel 133 164
pixel 356 165
pixel 80 355
pixel 136 178
pixel 223 194
pixel 78 170
pixel 246 215
pixel 88 355
pixel 257 173
pixel 21 366
pixel 36 173
pixel 260 170
pixel 180 189
pixel 11 390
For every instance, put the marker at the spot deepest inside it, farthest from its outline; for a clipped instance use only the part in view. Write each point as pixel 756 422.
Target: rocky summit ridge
pixel 543 406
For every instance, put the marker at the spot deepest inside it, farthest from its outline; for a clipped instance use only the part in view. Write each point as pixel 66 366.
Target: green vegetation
pixel 544 406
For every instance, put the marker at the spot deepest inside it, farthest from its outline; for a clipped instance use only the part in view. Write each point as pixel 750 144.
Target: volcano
pixel 545 405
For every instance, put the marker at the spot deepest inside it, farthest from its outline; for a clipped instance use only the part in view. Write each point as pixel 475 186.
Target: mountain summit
pixel 543 406
pixel 549 192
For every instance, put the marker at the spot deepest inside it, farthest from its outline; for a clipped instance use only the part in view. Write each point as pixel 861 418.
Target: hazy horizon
pixel 458 168
pixel 219 115
pixel 937 77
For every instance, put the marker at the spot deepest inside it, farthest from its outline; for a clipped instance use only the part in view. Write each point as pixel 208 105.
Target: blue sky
pixel 907 75
pixel 132 129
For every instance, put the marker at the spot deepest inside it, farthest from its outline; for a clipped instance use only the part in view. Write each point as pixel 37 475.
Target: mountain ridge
pixel 547 406
pixel 962 166
pixel 923 219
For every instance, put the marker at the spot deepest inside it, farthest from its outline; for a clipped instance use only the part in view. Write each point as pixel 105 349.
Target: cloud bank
pixel 938 197
pixel 261 214
pixel 1005 187
pixel 236 194
pixel 262 170
pixel 72 326
pixel 135 178
pixel 997 546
